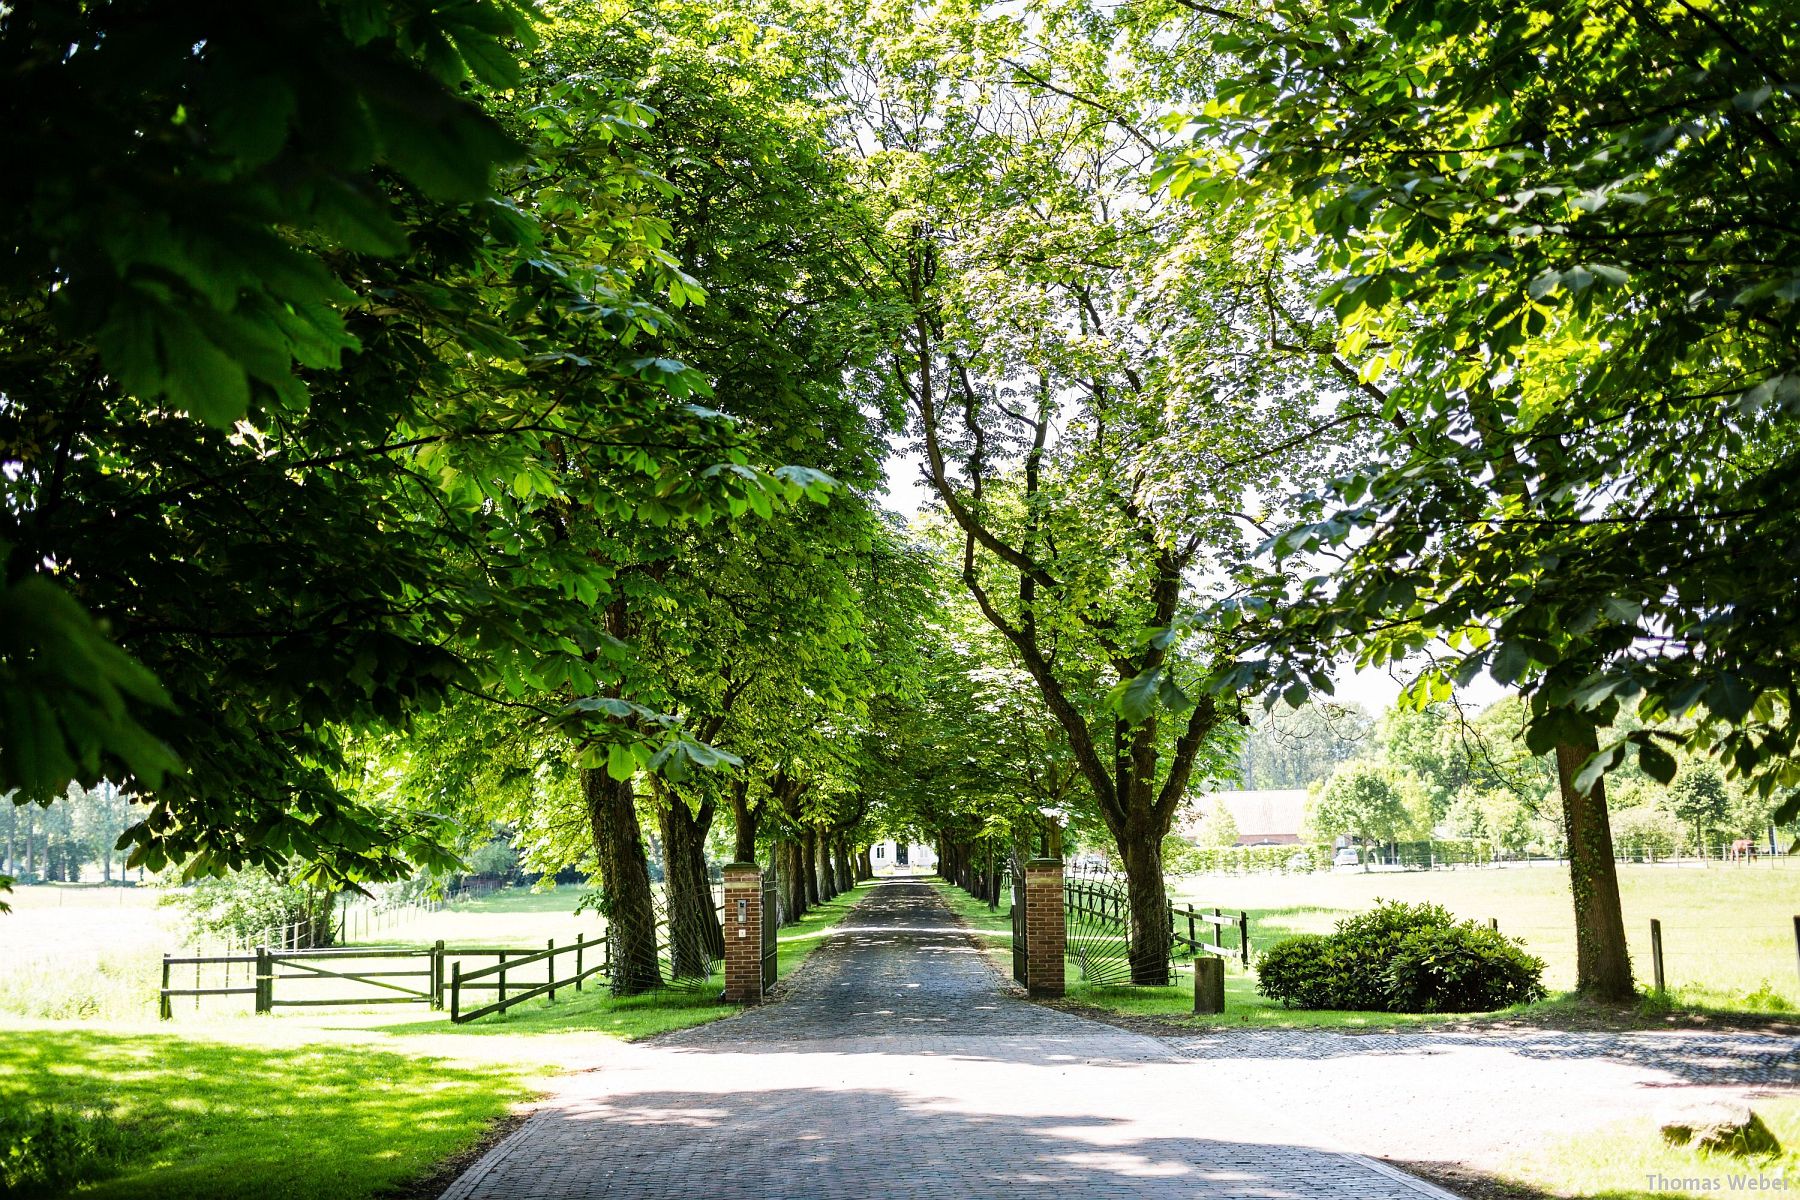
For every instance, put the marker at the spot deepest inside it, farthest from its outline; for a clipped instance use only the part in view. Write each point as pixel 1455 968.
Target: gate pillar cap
pixel 749 868
pixel 1043 864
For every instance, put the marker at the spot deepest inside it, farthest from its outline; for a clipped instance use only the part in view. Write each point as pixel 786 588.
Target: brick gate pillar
pixel 1044 927
pixel 743 933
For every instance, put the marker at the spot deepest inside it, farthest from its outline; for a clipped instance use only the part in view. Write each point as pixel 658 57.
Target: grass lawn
pixel 1727 934
pixel 1243 1005
pixel 330 1104
pixel 1617 1163
pixel 515 916
pixel 1728 931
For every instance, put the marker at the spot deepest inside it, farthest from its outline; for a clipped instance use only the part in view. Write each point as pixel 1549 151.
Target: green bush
pixel 1363 945
pixel 1401 958
pixel 46 1151
pixel 1462 968
pixel 1299 971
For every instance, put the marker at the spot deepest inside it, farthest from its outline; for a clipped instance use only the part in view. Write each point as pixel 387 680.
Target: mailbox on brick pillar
pixel 1044 926
pixel 743 933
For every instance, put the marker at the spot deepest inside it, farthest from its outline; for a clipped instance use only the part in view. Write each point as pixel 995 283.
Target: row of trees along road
pixel 473 409
pixel 1089 372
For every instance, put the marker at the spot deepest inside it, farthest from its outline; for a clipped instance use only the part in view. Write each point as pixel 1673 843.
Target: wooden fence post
pixel 550 944
pixel 1209 984
pixel 503 976
pixel 265 981
pixel 1796 929
pixel 437 976
pixel 1244 938
pixel 580 945
pixel 1656 953
pixel 166 1013
pixel 455 991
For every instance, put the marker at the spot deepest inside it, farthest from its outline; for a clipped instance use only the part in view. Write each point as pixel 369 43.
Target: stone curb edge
pixel 465 1184
pixel 1397 1175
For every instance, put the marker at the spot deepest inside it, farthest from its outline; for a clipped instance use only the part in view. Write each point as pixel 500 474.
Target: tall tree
pixel 1085 375
pixel 1561 244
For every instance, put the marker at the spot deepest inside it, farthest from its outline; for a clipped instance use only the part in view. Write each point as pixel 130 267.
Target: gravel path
pixel 897 1064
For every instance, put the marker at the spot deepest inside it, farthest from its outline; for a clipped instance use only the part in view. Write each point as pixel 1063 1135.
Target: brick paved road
pixel 897 1065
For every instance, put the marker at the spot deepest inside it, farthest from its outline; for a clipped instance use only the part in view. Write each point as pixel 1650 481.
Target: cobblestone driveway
pixel 898 1065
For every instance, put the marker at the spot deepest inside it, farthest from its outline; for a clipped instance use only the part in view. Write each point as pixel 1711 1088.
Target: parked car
pixel 1346 856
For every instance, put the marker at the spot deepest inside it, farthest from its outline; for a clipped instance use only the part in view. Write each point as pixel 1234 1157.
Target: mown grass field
pixel 1728 932
pixel 1625 1162
pixel 330 1104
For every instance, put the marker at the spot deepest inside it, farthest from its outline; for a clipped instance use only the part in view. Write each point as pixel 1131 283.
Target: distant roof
pixel 1267 814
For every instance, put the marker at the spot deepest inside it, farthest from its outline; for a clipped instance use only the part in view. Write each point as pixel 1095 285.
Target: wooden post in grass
pixel 503 977
pixel 437 976
pixel 1796 937
pixel 1494 924
pixel 166 1013
pixel 580 945
pixel 550 944
pixel 1209 984
pixel 1193 934
pixel 265 980
pixel 1656 955
pixel 455 991
pixel 1244 938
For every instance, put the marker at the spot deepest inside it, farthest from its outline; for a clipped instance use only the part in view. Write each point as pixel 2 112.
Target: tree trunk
pixel 630 907
pixel 30 840
pixel 809 862
pixel 845 873
pixel 865 865
pixel 828 884
pixel 1602 962
pixel 1151 936
pixel 695 939
pixel 745 817
pixel 793 888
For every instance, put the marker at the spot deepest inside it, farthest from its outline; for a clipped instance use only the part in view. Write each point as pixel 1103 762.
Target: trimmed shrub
pixel 1464 968
pixel 1401 958
pixel 1364 944
pixel 1299 971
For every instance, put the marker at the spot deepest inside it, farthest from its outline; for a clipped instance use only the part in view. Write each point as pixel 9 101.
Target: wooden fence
pixel 494 978
pixel 1097 922
pixel 1218 922
pixel 282 978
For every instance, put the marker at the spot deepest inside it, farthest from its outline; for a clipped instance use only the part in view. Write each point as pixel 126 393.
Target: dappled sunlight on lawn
pixel 207 1116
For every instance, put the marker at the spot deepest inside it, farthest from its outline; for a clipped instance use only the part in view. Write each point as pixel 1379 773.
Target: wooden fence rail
pixel 399 974
pixel 1219 921
pixel 1105 904
pixel 533 989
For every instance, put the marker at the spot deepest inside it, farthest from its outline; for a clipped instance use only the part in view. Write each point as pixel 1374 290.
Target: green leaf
pixel 1135 699
pixel 1656 762
pixel 621 763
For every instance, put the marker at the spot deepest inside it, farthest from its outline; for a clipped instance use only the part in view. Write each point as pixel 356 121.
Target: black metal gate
pixel 1018 927
pixel 771 912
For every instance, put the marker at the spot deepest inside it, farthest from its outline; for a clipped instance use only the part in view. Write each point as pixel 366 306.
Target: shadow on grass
pixel 629 1017
pixel 209 1119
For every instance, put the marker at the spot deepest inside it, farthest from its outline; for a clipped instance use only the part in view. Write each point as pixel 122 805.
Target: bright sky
pixel 1374 690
